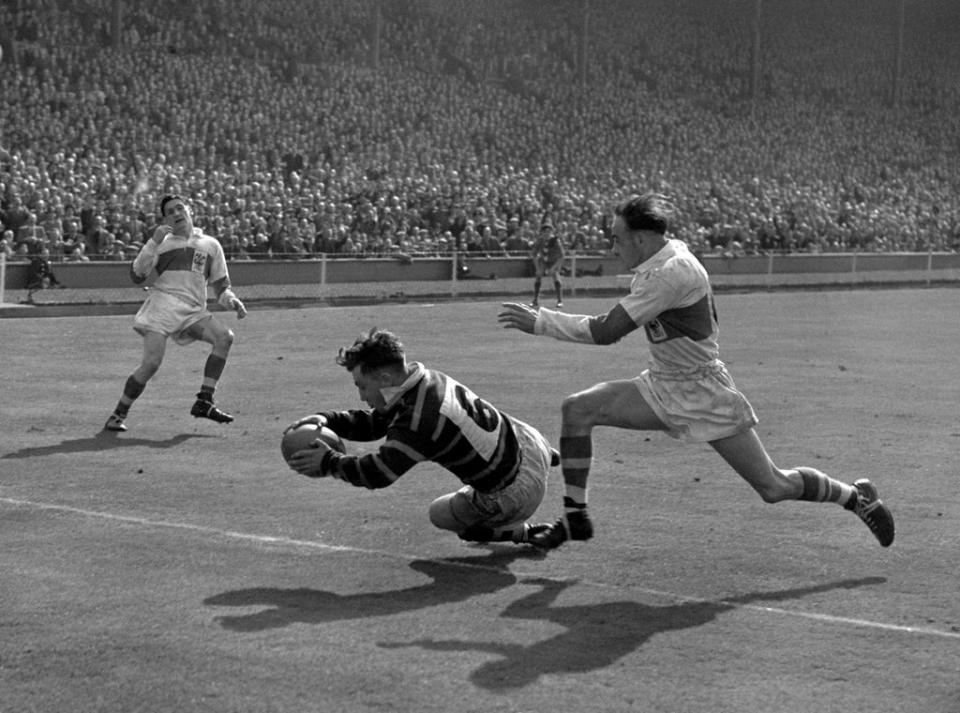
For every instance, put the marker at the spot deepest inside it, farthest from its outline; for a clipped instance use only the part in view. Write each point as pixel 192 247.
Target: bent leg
pixel 154 348
pixel 220 337
pixel 217 334
pixel 499 516
pixel 610 403
pixel 745 454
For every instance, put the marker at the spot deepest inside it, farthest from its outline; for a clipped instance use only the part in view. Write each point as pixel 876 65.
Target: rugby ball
pixel 305 436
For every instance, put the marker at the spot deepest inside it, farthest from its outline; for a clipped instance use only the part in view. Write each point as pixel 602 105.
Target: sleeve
pixel 145 261
pixel 401 450
pixel 356 425
pixel 652 296
pixel 601 329
pixel 372 471
pixel 218 264
pixel 562 326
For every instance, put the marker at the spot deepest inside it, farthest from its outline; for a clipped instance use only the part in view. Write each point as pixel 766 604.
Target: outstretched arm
pixel 600 329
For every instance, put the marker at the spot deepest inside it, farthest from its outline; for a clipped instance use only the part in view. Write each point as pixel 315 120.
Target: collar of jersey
pixel 392 394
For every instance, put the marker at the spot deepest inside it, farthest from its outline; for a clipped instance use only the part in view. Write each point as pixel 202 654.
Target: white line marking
pixel 316 545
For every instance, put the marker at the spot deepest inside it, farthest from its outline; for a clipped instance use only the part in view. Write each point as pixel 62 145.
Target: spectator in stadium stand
pixel 32 235
pixel 15 214
pixel 99 241
pixel 514 243
pixel 491 244
pixel 71 237
pixel 259 247
pixel 844 145
pixel 54 244
pixel 6 244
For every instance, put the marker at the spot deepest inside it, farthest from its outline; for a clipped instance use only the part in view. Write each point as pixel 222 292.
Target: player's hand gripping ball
pixel 305 436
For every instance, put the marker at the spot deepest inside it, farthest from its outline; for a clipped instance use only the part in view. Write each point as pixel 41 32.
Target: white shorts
pixel 164 313
pixel 516 502
pixel 699 408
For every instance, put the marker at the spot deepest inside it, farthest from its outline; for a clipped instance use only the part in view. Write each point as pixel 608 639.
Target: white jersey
pixel 185 266
pixel 671 298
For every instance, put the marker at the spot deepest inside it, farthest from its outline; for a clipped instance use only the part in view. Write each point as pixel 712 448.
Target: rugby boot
pixel 204 407
pixel 875 515
pixel 114 423
pixel 482 533
pixel 572 526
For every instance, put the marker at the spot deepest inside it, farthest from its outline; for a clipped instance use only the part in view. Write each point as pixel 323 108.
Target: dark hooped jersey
pixel 671 298
pixel 430 417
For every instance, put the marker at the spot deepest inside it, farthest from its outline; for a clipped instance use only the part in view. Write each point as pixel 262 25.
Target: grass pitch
pixel 182 567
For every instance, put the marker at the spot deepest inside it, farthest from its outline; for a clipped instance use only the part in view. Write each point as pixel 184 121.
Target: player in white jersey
pixel 686 392
pixel 185 260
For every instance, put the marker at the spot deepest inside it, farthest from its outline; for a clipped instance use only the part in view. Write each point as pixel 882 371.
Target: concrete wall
pixel 848 268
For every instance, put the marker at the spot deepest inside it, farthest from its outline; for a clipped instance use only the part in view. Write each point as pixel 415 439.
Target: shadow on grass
pixel 454 579
pixel 102 441
pixel 596 635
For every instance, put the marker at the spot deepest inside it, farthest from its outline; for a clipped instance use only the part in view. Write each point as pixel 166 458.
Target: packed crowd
pixel 298 127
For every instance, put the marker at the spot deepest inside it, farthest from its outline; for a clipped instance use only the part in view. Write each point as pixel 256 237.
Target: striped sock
pixel 212 370
pixel 821 488
pixel 576 455
pixel 131 392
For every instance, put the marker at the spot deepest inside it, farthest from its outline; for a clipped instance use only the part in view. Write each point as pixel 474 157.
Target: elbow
pixel 137 278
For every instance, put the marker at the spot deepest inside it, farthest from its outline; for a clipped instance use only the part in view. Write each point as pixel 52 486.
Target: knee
pixel 575 411
pixel 224 341
pixel 776 489
pixel 149 367
pixel 441 514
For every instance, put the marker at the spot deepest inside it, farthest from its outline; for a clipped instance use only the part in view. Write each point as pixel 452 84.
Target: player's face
pixel 627 244
pixel 368 386
pixel 177 215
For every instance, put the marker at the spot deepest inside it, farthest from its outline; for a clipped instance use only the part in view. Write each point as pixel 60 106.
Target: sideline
pixel 322 546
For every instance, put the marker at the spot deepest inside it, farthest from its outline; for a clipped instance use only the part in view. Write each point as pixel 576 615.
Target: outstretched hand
pixel 314 419
pixel 518 316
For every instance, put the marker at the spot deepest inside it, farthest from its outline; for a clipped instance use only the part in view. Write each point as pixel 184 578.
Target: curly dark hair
pixel 375 350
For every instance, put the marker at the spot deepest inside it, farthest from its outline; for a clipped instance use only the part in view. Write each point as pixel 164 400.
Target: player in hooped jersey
pixel 426 415
pixel 686 392
pixel 186 260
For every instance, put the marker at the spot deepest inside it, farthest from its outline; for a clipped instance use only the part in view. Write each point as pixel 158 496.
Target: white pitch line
pixel 316 545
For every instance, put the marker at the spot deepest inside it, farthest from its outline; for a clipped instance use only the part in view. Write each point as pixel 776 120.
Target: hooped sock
pixel 821 488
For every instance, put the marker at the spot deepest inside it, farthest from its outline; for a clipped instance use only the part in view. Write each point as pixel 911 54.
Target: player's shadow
pixel 454 579
pixel 595 635
pixel 102 441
